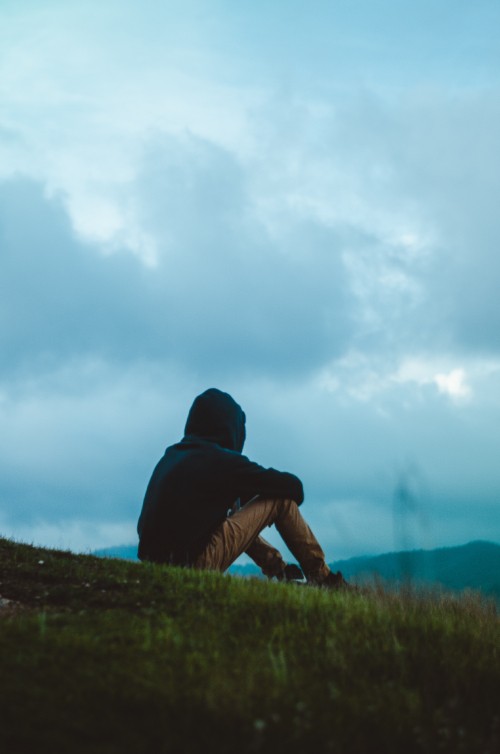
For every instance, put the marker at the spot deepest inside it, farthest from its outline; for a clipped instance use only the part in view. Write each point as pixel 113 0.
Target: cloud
pixel 453 384
pixel 79 442
pixel 220 297
pixel 400 181
pixel 416 178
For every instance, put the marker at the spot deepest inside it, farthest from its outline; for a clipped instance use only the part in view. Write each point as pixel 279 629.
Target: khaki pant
pixel 240 533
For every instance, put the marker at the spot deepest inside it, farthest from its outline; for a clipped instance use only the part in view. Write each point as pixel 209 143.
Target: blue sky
pixel 295 202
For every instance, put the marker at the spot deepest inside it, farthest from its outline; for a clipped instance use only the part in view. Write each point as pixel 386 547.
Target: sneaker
pixel 291 573
pixel 337 582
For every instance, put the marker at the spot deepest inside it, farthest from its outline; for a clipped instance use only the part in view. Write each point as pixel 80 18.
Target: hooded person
pixel 206 503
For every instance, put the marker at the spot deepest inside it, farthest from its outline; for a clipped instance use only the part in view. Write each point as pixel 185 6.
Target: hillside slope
pixel 475 565
pixel 109 656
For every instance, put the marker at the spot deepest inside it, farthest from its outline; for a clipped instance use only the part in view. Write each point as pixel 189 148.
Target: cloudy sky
pixel 297 202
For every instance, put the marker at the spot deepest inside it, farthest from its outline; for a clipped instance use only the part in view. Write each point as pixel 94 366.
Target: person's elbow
pixel 298 492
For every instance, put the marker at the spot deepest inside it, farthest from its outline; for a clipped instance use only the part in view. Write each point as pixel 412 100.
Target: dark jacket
pixel 200 478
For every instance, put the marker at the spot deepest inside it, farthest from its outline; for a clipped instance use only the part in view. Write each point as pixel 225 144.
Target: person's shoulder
pixel 200 446
pixel 237 460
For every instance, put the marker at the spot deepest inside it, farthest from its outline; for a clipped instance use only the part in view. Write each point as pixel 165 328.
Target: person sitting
pixel 206 503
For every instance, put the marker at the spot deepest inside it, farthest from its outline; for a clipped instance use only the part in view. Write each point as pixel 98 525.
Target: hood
pixel 216 416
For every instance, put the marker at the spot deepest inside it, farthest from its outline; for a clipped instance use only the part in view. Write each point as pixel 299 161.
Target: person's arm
pixel 249 479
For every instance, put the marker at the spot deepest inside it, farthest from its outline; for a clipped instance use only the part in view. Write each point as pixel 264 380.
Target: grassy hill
pixel 475 565
pixel 104 655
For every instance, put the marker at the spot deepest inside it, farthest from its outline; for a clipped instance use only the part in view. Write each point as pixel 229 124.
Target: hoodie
pixel 199 479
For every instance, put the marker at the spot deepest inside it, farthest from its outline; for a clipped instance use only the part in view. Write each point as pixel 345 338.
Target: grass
pixel 108 656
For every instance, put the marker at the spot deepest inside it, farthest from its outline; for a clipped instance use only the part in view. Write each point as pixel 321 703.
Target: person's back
pixel 189 494
pixel 179 508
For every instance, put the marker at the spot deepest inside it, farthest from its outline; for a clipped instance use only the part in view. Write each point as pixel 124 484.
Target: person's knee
pixel 287 502
pixel 285 506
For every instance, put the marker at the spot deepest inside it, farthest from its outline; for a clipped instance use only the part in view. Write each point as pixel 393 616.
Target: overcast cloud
pixel 297 204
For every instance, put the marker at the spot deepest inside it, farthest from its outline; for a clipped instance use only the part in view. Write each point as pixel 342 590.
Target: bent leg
pixel 267 557
pixel 301 542
pixel 238 533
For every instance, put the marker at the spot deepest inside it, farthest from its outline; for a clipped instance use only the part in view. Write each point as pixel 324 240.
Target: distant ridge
pixel 475 565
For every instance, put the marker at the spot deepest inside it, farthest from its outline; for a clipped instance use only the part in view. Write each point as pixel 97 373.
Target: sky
pixel 296 202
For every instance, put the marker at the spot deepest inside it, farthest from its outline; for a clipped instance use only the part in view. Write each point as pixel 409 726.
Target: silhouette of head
pixel 216 416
